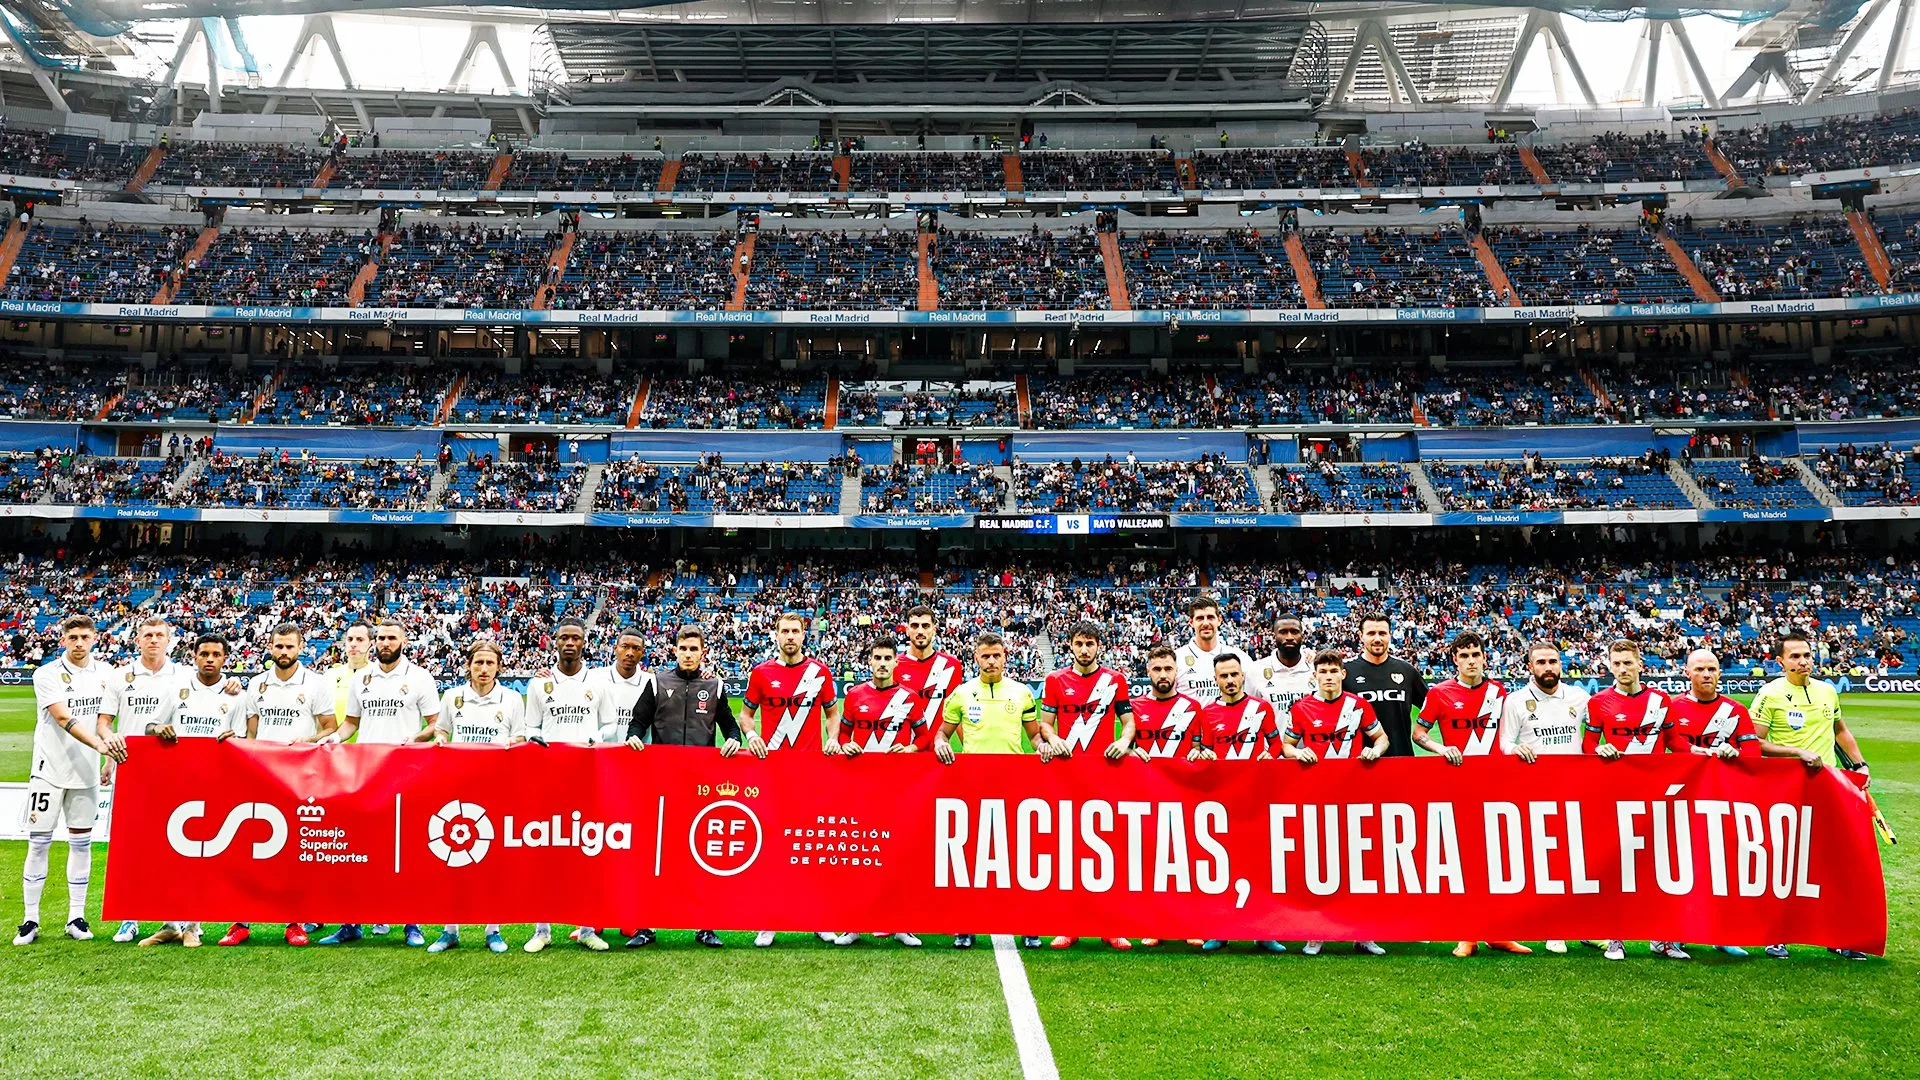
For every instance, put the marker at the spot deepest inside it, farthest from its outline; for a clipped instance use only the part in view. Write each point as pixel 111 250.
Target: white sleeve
pixel 321 704
pixel 444 721
pixel 516 714
pixel 1512 723
pixel 47 689
pixel 237 713
pixel 427 700
pixel 535 710
pixel 353 695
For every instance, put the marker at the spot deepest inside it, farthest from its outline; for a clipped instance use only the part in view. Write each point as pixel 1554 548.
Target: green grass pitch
pixel 97 1009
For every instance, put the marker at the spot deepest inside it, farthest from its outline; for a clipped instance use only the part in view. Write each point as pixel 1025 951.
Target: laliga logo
pixel 725 836
pixel 459 833
pixel 238 816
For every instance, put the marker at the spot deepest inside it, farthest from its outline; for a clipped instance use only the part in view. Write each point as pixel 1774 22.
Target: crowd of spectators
pixel 1208 483
pixel 100 264
pixel 831 270
pixel 1398 267
pixel 647 271
pixel 1835 143
pixel 290 480
pixel 253 165
pixel 1238 170
pixel 1811 255
pixel 37 389
pixel 443 170
pixel 807 172
pixel 960 487
pixel 196 394
pixel 938 171
pixel 1182 269
pixel 1326 487
pixel 302 267
pixel 715 486
pixel 544 396
pixel 1415 164
pixel 545 170
pixel 67 157
pixel 1068 170
pixel 535 484
pixel 1534 483
pixel 1869 475
pixel 1111 399
pixel 462 266
pixel 357 396
pixel 1035 270
pixel 1618 157
pixel 717 401
pixel 934 405
pixel 1468 397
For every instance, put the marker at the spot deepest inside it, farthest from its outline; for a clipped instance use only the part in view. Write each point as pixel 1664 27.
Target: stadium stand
pixel 1838 142
pixel 1121 400
pixel 462 266
pixel 1065 170
pixel 1587 266
pixel 428 170
pixel 1186 269
pixel 959 488
pixel 1609 483
pixel 1415 164
pixel 1314 396
pixel 356 395
pixel 648 271
pixel 1464 397
pixel 920 403
pixel 809 172
pixel 1806 256
pixel 1208 484
pixel 305 267
pixel 1751 483
pixel 834 271
pixel 549 396
pixel 528 486
pixel 36 390
pixel 713 486
pixel 1036 270
pixel 1330 488
pixel 187 395
pixel 1869 475
pixel 214 164
pixel 67 157
pixel 711 401
pixel 300 481
pixel 546 170
pixel 102 264
pixel 939 171
pixel 1397 268
pixel 1618 157
pixel 1238 170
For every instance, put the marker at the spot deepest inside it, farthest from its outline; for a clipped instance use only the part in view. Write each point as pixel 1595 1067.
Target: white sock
pixel 493 928
pixel 79 873
pixel 454 929
pixel 33 878
pixel 543 928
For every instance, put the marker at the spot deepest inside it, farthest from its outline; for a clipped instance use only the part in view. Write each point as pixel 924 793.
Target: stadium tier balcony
pixel 41 390
pixel 1206 485
pixel 1464 397
pixel 461 266
pixel 68 157
pixel 1033 270
pixel 1313 397
pixel 67 478
pixel 917 403
pixel 545 397
pixel 1238 170
pixel 1245 268
pixel 1125 170
pixel 1327 488
pixel 1751 483
pixel 98 264
pixel 927 171
pixel 528 487
pixel 1830 145
pixel 1809 256
pixel 1121 400
pixel 714 487
pixel 303 267
pixel 835 271
pixel 543 170
pixel 205 395
pixel 298 481
pixel 357 396
pixel 960 488
pixel 262 165
pixel 648 271
pixel 1870 475
pixel 429 170
pixel 1416 164
pixel 711 401
pixel 1900 236
pixel 1617 158
pixel 1682 389
pixel 1601 483
pixel 1587 266
pixel 1395 268
pixel 1872 385
pixel 797 172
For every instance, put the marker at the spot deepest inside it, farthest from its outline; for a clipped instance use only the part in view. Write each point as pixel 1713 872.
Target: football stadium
pixel 1234 538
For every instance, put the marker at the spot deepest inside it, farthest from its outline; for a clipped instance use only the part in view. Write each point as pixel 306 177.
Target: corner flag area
pixel 807 1008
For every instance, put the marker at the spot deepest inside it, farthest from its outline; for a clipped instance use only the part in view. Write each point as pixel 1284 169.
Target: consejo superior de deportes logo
pixel 459 833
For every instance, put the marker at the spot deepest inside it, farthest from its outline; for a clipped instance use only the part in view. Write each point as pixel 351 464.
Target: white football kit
pixel 289 709
pixel 65 778
pixel 392 706
pixel 470 717
pixel 568 708
pixel 1196 670
pixel 1545 723
pixel 143 692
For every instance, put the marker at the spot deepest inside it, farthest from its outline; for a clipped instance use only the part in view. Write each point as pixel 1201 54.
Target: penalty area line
pixel 1029 1034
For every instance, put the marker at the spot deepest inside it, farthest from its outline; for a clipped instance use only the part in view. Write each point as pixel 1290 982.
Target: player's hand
pixel 1141 753
pixel 1725 752
pixel 756 746
pixel 165 734
pixel 636 743
pixel 106 773
pixel 1306 756
pixel 1202 753
pixel 225 735
pixel 1810 758
pixel 1061 748
pixel 1453 755
pixel 851 749
pixel 537 740
pixel 902 748
pixel 114 746
pixel 1116 751
pixel 233 686
pixel 1607 752
pixel 1263 756
pixel 730 748
pixel 1526 754
pixel 1371 753
pixel 943 750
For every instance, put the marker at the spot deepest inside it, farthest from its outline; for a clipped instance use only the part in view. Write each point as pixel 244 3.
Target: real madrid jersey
pixel 289 708
pixel 468 716
pixel 142 692
pixel 625 695
pixel 392 705
pixel 567 708
pixel 199 711
pixel 58 758
pixel 1196 669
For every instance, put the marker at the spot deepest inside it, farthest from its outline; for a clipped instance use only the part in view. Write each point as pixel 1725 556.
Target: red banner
pixel 1676 847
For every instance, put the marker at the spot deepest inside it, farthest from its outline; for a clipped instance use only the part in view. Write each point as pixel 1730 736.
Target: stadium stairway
pixel 1868 237
pixel 640 402
pixel 830 410
pixel 850 493
pixel 1429 498
pixel 106 410
pixel 1303 270
pixel 669 174
pixel 1534 168
pixel 188 475
pixel 357 292
pixel 266 394
pixel 1012 504
pixel 589 485
pixel 843 171
pixel 1813 482
pixel 1016 180
pixel 929 285
pixel 1688 486
pixel 497 175
pixel 1496 274
pixel 1721 163
pixel 556 269
pixel 1263 484
pixel 147 168
pixel 1358 166
pixel 1597 388
pixel 325 176
pixel 194 254
pixel 437 491
pixel 451 399
pixel 1703 290
pixel 1116 275
pixel 1023 401
pixel 16 238
pixel 742 269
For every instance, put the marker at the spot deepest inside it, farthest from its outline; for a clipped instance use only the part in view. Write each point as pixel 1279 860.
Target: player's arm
pixel 324 723
pixel 1512 727
pixel 1045 742
pixel 640 726
pixel 442 727
pixel 1423 738
pixel 533 728
pixel 1593 738
pixel 1122 708
pixel 1376 734
pixel 427 701
pixel 1049 709
pixel 1203 746
pixel 730 729
pixel 950 714
pixel 236 720
pixel 1293 744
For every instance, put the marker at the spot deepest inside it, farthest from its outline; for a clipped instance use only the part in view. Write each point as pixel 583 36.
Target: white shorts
pixel 48 805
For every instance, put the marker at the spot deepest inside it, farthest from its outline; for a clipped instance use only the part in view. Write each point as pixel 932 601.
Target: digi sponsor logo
pixel 725 837
pixel 459 833
pixel 236 819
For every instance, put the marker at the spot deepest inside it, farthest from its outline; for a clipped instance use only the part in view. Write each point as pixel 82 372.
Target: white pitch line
pixel 1029 1034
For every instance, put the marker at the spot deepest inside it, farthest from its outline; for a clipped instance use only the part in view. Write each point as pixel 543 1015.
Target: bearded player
pixel 797 691
pixel 1165 721
pixel 1466 711
pixel 1628 719
pixel 1286 676
pixel 479 712
pixel 1080 706
pixel 876 717
pixel 1325 725
pixel 1236 728
pixel 928 672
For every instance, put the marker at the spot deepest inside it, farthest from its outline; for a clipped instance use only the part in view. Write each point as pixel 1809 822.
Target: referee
pixel 1799 712
pixel 1392 686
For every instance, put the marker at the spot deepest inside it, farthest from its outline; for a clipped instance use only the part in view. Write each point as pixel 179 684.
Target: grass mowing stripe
pixel 1029 1034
